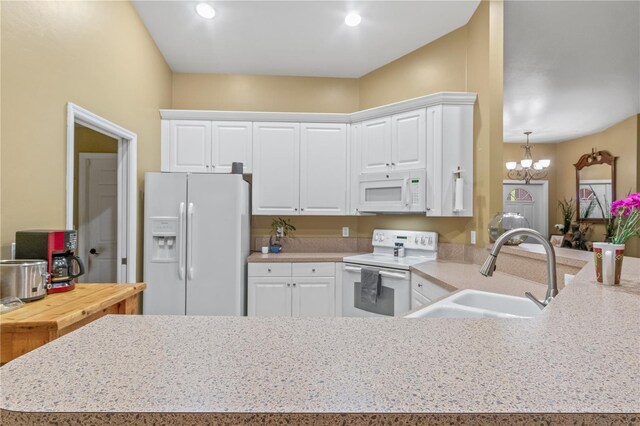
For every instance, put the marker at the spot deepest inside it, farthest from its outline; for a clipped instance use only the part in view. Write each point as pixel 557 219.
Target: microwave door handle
pixel 406 192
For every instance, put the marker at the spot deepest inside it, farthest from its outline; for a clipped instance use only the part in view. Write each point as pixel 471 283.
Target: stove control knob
pixel 423 240
pixel 381 237
pixel 376 237
pixel 416 239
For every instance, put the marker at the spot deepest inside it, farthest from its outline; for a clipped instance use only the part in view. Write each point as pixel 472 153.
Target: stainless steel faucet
pixel 552 283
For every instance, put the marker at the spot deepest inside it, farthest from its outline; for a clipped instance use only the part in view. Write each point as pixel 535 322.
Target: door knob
pixel 94 252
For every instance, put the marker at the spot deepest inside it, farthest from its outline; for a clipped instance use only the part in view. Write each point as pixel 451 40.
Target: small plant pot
pixel 275 248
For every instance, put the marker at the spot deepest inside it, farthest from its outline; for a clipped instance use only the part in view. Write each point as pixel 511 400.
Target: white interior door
pixel 531 201
pixel 98 205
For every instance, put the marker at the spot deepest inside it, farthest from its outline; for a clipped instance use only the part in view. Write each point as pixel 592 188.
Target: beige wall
pixel 95 54
pixel 468 59
pixel 264 93
pixel 87 140
pixel 621 140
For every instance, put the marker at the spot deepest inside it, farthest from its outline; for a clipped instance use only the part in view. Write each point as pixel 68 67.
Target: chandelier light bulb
pixel 511 165
pixel 526 163
pixel 545 163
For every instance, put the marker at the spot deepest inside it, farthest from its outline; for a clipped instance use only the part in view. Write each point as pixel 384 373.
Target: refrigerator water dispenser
pixel 164 231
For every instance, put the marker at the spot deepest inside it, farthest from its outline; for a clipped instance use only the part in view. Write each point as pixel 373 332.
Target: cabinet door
pixel 269 297
pixel 231 142
pixel 276 168
pixel 190 146
pixel 418 300
pixel 376 145
pixel 314 297
pixel 323 169
pixel 408 140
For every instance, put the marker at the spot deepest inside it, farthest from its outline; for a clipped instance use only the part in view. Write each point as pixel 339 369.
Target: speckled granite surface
pixel 297 257
pixel 581 355
pixel 458 276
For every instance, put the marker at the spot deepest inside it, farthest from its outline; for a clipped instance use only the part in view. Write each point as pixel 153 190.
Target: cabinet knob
pixel 288 284
pixel 419 285
pixel 296 209
pixel 301 209
pixel 313 270
pixel 294 284
pixel 393 164
pixel 268 269
pixel 386 164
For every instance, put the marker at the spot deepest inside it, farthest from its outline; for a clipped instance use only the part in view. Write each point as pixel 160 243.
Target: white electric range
pixel 395 297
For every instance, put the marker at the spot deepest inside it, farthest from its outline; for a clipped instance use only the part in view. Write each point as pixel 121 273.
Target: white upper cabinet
pixel 189 146
pixel 276 168
pixel 396 142
pixel 323 169
pixel 408 140
pixel 449 148
pixel 376 144
pixel 232 141
pixel 199 146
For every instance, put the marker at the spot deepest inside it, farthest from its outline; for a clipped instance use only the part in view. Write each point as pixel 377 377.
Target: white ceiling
pixel 571 68
pixel 302 38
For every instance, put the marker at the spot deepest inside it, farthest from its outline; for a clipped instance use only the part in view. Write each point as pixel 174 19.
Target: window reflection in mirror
pixel 595 185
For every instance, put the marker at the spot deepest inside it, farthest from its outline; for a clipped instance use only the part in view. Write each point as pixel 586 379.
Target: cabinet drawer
pixel 319 269
pixel 269 269
pixel 426 288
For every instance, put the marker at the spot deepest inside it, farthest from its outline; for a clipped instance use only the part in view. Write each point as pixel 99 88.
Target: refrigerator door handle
pixel 190 238
pixel 182 250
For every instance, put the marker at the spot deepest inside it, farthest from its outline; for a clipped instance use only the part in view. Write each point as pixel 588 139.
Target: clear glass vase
pixel 506 221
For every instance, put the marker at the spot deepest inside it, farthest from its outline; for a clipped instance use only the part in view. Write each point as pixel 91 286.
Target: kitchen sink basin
pixel 478 304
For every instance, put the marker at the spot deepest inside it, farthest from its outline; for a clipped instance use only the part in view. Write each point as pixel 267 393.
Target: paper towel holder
pixel 458 201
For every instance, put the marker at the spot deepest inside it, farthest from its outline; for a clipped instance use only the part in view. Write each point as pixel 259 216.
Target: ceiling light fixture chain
pixel 527 169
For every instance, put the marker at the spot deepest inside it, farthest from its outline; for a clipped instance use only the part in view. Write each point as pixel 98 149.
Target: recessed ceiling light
pixel 206 10
pixel 352 19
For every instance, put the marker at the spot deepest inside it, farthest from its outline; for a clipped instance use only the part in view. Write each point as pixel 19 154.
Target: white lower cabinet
pixel 423 291
pixel 291 290
pixel 269 297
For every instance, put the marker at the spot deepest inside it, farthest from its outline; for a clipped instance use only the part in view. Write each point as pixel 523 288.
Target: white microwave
pixel 401 191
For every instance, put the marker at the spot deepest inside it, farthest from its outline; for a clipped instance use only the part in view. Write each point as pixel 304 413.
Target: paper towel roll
pixel 459 193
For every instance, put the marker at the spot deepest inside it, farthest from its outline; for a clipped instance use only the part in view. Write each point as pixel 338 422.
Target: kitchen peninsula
pixel 576 362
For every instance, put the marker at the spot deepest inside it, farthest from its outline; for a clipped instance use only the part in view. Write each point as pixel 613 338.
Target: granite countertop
pixel 581 355
pixel 564 256
pixel 458 276
pixel 297 257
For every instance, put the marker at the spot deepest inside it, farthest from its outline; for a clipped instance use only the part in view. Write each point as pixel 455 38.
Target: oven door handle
pixel 384 274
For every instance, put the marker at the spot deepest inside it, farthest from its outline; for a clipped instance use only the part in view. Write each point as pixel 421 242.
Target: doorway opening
pixel 531 201
pixel 101 195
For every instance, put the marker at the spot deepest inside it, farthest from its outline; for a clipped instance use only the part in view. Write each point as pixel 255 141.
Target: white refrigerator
pixel 196 244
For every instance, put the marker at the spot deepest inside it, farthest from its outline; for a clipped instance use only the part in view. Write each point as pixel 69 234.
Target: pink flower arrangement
pixel 627 215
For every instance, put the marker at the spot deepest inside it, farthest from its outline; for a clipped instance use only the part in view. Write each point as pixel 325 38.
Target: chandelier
pixel 527 168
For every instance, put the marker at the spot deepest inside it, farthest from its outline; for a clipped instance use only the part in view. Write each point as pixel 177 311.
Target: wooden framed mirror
pixel 595 186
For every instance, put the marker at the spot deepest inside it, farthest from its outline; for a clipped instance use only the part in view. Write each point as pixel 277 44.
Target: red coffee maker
pixel 58 248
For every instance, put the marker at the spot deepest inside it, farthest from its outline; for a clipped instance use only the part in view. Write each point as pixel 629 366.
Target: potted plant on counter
pixel 568 209
pixel 609 256
pixel 280 228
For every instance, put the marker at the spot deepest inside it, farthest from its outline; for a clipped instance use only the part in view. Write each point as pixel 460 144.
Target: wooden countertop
pixel 39 322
